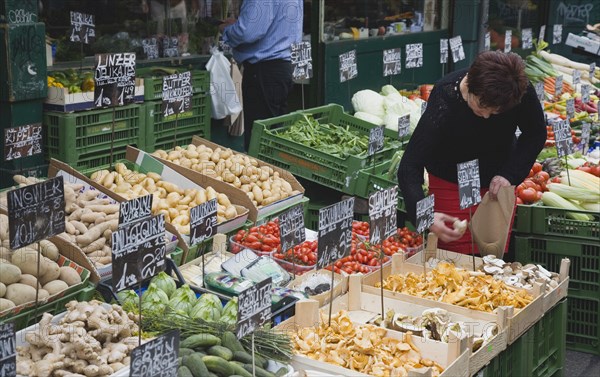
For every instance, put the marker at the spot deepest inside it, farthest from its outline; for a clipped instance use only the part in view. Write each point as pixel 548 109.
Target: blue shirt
pixel 265 30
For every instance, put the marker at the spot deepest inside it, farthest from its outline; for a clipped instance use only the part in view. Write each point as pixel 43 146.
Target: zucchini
pixel 200 340
pixel 260 372
pixel 196 365
pixel 217 365
pixel 185 351
pixel 231 341
pixel 246 358
pixel 184 372
pixel 211 374
pixel 239 369
pixel 222 352
pixel 179 361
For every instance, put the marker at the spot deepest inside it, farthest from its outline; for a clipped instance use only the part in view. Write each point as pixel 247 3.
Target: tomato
pixel 529 195
pixel 555 180
pixel 530 173
pixel 544 175
pixel 519 200
pixel 537 167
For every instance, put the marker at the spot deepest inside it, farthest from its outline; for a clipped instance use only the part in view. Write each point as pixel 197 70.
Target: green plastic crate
pixel 310 163
pixel 27 317
pixel 510 362
pixel 548 221
pixel 583 324
pixel 160 131
pixel 153 85
pixel 374 179
pixel 83 139
pixel 584 273
pixel 547 348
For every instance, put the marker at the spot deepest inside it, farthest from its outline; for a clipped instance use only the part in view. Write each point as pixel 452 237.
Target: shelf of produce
pixel 63 101
pixel 153 85
pixel 257 213
pixel 540 220
pixel 453 356
pixel 84 140
pixel 310 163
pixel 519 320
pixel 162 132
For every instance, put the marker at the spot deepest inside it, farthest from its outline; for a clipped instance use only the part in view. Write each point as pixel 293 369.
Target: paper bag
pixel 492 222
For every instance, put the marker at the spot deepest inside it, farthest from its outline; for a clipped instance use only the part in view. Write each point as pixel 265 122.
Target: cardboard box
pixel 239 195
pixel 59 99
pixel 340 286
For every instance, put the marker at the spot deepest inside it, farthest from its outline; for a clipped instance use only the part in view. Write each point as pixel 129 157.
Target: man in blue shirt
pixel 261 39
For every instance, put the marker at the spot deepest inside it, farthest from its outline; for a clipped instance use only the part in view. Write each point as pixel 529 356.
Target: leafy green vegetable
pixel 229 315
pixel 129 300
pixel 208 308
pixel 155 294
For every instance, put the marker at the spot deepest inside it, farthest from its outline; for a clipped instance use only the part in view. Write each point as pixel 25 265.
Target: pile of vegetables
pixel 329 138
pixel 163 295
pixel 263 239
pixel 304 254
pixel 169 199
pixel 260 182
pixel 18 272
pixel 92 339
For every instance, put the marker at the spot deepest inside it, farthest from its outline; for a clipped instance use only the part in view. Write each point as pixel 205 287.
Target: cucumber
pixel 239 369
pixel 184 372
pixel 231 341
pixel 246 358
pixel 200 340
pixel 196 365
pixel 218 365
pixel 185 351
pixel 222 352
pixel 282 371
pixel 260 372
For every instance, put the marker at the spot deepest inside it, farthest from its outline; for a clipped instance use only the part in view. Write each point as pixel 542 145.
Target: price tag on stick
pixel 138 252
pixel 542 32
pixel 425 211
pixel 576 76
pixel 302 61
pixel 36 212
pixel 376 139
pixel 469 184
pixel 585 136
pixel 443 51
pixel 392 62
pixel 585 93
pixel 383 214
pixel 414 55
pixel 203 222
pixel 348 66
pixel 177 94
pixel 487 41
pixel 156 358
pixel 592 71
pixel 335 232
pixel 558 86
pixel 150 46
pixel 135 209
pixel 557 34
pixel 456 46
pixel 22 141
pixel 570 108
pixel 83 28
pixel 254 308
pixel 291 228
pixel 563 137
pixel 404 125
pixel 539 90
pixel 527 38
pixel 507 40
pixel 115 79
pixel 8 350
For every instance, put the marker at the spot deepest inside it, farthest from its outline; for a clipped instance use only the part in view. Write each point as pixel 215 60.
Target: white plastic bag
pixel 224 97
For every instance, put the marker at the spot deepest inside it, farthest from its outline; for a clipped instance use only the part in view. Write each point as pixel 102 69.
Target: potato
pixel 52 273
pixel 2 290
pixel 26 259
pixel 69 276
pixel 6 304
pixel 55 287
pixel 29 280
pixel 43 294
pixel 49 250
pixel 9 273
pixel 5 253
pixel 20 294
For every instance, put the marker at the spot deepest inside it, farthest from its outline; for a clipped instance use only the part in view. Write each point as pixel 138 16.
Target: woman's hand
pixel 441 230
pixel 495 185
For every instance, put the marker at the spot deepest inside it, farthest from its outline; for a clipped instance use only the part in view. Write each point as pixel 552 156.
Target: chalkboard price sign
pixel 150 46
pixel 443 51
pixel 392 62
pixel 404 124
pixel 570 108
pixel 156 358
pixel 302 61
pixel 177 93
pixel 83 28
pixel 335 232
pixel 487 41
pixel 414 55
pixel 469 183
pixel 557 31
pixel 376 139
pixel 22 141
pixel 585 93
pixel 36 212
pixel 539 90
pixel 558 85
pixel 456 46
pixel 585 136
pixel 170 47
pixel 425 211
pixel 507 40
pixel 563 137
pixel 383 214
pixel 203 222
pixel 527 38
pixel 291 228
pixel 138 252
pixel 115 79
pixel 8 350
pixel 254 308
pixel 135 209
pixel 348 66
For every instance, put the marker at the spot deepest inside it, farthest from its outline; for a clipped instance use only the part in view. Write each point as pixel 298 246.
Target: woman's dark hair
pixel 498 79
